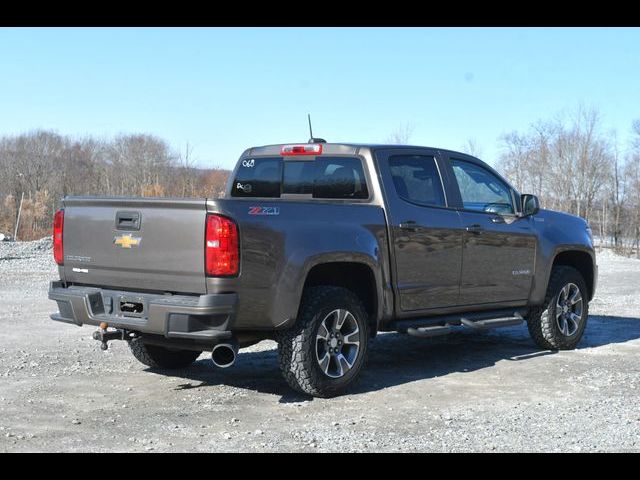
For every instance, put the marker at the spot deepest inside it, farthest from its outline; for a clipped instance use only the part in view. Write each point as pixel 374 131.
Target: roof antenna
pixel 311 138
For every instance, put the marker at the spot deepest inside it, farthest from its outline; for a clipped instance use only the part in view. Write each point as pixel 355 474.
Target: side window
pixel 482 190
pixel 417 180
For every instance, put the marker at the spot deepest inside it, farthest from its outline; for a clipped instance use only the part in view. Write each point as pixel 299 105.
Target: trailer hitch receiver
pixel 104 335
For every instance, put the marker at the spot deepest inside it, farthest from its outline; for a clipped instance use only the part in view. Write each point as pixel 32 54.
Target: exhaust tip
pixel 223 355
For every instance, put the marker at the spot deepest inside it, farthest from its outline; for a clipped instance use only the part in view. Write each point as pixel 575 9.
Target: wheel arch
pixel 582 261
pixel 358 277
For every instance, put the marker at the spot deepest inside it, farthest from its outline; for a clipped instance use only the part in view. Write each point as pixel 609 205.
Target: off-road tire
pixel 541 320
pixel 160 357
pixel 297 345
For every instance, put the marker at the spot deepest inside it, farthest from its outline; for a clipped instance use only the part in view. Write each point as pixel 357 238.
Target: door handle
pixel 497 219
pixel 477 229
pixel 409 225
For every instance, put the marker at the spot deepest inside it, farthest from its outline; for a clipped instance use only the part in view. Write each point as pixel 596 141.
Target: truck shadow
pixel 396 359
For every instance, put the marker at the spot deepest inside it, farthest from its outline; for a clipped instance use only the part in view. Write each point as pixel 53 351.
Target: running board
pixel 493 323
pixel 426 332
pixel 436 326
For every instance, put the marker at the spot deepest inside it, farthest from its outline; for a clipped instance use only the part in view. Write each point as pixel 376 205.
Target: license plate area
pixel 131 306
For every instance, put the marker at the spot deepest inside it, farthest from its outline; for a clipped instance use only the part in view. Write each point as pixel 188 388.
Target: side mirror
pixel 530 204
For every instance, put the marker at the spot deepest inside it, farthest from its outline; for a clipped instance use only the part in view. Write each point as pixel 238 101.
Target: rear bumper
pixel 205 318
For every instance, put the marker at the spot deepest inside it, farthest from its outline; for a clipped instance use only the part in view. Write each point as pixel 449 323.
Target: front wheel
pixel 560 322
pixel 323 353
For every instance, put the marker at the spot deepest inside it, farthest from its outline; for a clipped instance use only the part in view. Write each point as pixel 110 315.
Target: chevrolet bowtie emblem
pixel 126 241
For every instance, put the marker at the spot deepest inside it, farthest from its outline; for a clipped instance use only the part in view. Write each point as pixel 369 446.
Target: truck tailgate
pixel 135 243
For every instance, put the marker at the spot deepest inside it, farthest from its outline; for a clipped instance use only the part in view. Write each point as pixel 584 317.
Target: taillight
pixel 304 149
pixel 222 257
pixel 58 226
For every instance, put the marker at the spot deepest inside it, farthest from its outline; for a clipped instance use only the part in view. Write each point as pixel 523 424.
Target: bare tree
pixel 401 135
pixel 472 147
pixel 632 194
pixel 45 166
pixel 139 164
pixel 635 141
pixel 566 161
pixel 187 178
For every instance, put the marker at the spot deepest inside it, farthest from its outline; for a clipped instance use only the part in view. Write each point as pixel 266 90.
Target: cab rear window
pixel 322 177
pixel 258 177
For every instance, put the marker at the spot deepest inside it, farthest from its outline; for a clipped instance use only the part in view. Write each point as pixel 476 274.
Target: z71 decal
pixel 264 210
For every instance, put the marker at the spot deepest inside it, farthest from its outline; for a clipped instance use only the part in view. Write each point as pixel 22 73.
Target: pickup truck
pixel 320 246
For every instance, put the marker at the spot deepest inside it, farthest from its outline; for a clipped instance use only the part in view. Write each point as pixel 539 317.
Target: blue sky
pixel 224 89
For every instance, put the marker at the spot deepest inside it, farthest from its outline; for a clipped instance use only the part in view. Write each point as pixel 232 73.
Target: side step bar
pixel 442 325
pixel 426 332
pixel 493 323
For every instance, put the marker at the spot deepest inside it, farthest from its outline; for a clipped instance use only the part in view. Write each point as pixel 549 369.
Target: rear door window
pixel 417 180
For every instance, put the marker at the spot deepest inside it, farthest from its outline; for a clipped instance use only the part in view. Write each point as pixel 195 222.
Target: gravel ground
pixel 466 392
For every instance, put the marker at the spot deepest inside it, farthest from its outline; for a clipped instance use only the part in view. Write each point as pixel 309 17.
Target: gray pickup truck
pixel 319 246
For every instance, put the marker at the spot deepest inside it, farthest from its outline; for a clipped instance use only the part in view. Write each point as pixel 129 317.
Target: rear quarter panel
pixel 278 250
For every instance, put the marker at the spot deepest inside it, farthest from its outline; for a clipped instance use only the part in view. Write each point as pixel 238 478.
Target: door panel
pixel 497 259
pixel 426 237
pixel 428 259
pixel 498 256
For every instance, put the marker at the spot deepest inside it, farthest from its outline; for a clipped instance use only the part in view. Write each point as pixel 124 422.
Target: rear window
pixel 417 179
pixel 258 178
pixel 322 177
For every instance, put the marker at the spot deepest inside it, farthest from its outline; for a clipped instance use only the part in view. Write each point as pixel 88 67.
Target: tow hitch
pixel 104 335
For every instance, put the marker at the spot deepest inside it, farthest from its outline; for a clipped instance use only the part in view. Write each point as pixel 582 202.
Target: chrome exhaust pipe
pixel 224 355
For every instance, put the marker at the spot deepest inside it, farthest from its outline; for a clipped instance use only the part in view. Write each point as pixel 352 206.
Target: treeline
pixel 570 162
pixel 575 166
pixel 38 168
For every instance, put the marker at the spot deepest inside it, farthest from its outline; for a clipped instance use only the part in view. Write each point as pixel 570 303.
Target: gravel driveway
pixel 464 392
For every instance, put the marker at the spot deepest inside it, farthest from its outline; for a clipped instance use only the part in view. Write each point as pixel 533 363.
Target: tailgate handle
pixel 128 220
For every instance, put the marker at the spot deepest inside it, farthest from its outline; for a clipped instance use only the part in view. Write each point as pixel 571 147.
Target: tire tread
pixel 158 357
pixel 544 331
pixel 295 356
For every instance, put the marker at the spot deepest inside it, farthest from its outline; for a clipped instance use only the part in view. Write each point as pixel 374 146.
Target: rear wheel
pixel 560 322
pixel 160 357
pixel 324 352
